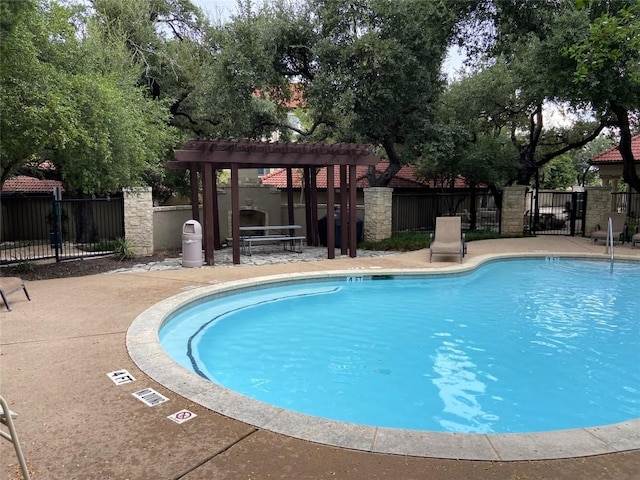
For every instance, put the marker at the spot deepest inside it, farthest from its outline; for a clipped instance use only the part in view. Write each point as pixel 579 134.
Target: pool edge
pixel 144 349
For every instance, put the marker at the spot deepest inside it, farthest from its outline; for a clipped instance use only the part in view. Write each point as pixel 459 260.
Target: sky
pixel 216 8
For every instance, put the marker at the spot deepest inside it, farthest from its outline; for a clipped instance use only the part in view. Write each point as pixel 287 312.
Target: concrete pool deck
pixel 74 422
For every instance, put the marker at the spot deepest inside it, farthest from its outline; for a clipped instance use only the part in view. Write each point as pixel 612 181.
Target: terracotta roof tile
pixel 405 178
pixel 24 184
pixel 612 155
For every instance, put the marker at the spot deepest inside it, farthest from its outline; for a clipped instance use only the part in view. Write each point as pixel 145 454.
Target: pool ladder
pixel 609 241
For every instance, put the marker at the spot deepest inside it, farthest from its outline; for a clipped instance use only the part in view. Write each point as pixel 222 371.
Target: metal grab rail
pixel 6 418
pixel 609 241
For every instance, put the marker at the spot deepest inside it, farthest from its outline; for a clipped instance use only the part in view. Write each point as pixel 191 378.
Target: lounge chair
pixel 618 223
pixel 9 285
pixel 6 418
pixel 448 238
pixel 635 238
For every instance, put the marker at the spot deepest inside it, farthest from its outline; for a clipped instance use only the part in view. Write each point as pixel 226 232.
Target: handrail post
pixel 609 240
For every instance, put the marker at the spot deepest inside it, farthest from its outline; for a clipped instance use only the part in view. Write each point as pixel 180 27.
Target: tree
pixel 558 174
pixel 71 98
pixel 369 70
pixel 524 42
pixel 607 71
pixel 586 174
pixel 29 102
pixel 473 122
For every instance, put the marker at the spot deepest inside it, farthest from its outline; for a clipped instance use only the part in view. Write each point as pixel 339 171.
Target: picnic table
pixel 271 234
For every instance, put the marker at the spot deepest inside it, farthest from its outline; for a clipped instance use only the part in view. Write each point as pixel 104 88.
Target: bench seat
pixel 292 243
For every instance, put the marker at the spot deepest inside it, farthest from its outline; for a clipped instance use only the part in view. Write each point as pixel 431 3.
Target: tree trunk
pixel 528 165
pixel 384 179
pixel 629 173
pixel 395 164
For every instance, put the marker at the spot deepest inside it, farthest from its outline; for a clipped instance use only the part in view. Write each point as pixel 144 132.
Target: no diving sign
pixel 182 416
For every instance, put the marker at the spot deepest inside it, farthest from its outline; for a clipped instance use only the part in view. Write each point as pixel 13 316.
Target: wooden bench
pixel 292 243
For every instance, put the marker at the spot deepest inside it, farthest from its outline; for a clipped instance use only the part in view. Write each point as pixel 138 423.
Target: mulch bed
pixel 72 268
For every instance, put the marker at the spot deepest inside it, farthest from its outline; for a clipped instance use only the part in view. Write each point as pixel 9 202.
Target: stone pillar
pixel 514 206
pixel 378 203
pixel 138 220
pixel 598 205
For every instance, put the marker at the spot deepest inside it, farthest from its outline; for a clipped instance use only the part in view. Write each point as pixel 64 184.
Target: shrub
pixel 122 249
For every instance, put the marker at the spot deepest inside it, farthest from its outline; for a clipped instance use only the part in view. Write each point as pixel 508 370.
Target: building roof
pixel 612 155
pixel 24 184
pixel 292 99
pixel 405 178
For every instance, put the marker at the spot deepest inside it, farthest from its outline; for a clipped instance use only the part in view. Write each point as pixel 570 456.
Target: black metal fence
pixel 629 203
pixel 41 227
pixel 554 212
pixel 417 212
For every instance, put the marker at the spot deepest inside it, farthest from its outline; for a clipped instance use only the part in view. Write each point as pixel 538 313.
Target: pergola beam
pixel 207 156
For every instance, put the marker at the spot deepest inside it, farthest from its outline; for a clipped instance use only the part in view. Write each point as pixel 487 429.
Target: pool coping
pixel 144 348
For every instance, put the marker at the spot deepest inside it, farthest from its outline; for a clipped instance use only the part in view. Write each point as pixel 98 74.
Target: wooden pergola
pixel 205 157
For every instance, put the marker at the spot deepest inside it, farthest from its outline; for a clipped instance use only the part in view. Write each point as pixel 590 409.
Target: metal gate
pixel 45 227
pixel 556 212
pixel 417 211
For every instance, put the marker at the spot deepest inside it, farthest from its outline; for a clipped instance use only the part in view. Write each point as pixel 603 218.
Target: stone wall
pixel 513 210
pixel 138 220
pixel 598 205
pixel 378 203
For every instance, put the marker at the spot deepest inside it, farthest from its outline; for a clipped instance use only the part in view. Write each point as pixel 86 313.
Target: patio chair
pixel 6 418
pixel 635 238
pixel 448 238
pixel 9 285
pixel 618 222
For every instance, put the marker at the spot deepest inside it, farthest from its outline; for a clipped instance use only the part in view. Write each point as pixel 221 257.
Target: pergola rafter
pixel 204 157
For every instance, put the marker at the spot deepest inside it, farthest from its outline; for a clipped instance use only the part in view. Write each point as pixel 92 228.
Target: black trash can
pixel 322 230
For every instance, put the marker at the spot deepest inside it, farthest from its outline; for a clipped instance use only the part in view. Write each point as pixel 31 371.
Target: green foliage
pixel 523 70
pixel 369 70
pixel 410 241
pixel 608 56
pixel 399 242
pixel 122 249
pixel 607 69
pixel 25 266
pixel 70 96
pixel 471 139
pixel 558 174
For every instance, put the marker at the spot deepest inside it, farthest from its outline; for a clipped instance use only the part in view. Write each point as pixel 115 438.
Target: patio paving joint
pixel 493 447
pixel 215 454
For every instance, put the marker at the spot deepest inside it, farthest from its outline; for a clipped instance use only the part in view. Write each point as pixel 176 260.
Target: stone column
pixel 598 204
pixel 513 210
pixel 377 213
pixel 138 220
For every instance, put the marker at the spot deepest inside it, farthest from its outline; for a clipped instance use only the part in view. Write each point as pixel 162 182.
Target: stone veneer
pixel 138 220
pixel 598 205
pixel 378 203
pixel 513 209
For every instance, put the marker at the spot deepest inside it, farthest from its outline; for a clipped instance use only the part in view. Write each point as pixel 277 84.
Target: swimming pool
pixel 515 346
pixel 144 348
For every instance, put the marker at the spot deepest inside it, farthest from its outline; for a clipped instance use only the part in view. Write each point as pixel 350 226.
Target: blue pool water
pixel 514 346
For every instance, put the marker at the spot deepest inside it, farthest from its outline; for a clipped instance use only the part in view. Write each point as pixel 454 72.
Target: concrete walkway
pixel 75 423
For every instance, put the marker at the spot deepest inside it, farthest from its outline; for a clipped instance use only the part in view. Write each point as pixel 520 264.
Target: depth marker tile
pixel 150 397
pixel 120 377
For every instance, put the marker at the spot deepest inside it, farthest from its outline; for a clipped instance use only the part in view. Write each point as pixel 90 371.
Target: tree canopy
pixel 582 55
pixel 104 90
pixel 369 70
pixel 72 99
